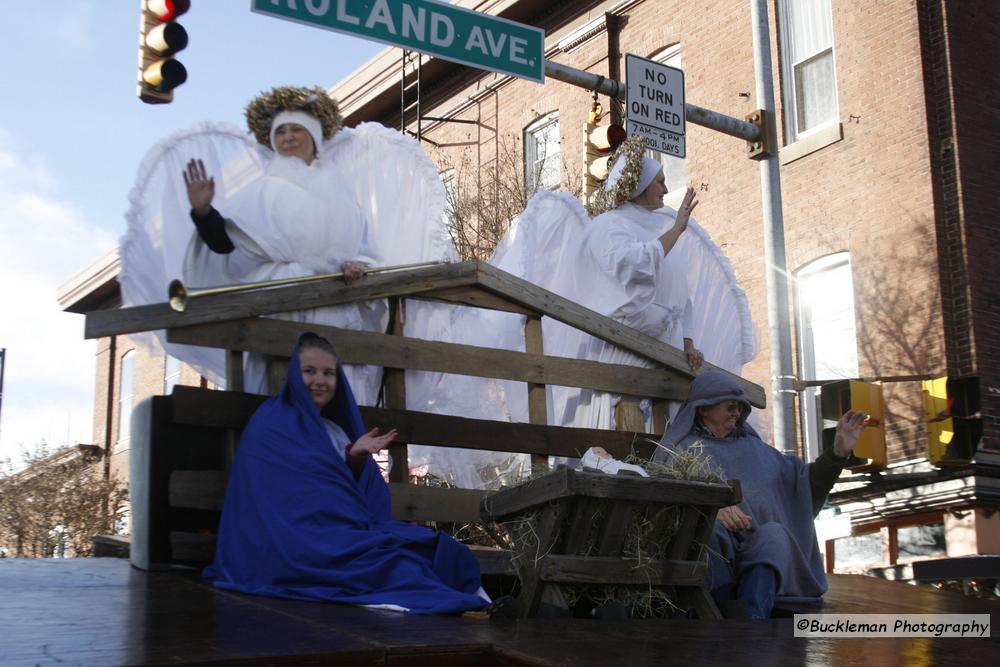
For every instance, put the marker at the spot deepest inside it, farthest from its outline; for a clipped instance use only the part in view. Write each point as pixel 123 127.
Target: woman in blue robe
pixel 307 513
pixel 766 546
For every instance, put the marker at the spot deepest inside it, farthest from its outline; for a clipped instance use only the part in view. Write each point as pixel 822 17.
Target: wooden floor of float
pixel 100 611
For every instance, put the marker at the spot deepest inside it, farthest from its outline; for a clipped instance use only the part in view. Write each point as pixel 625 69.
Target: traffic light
pixel 836 398
pixel 160 37
pixel 953 418
pixel 599 141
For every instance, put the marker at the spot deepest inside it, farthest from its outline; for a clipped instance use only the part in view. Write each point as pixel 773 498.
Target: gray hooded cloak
pixel 777 496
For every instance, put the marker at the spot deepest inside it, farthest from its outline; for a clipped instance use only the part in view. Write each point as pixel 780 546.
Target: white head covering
pixel 650 168
pixel 306 120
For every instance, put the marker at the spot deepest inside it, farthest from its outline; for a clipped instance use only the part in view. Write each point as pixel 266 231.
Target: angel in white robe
pixel 308 197
pixel 637 261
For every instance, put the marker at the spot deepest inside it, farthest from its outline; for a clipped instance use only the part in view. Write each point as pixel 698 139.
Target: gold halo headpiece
pixel 314 101
pixel 620 182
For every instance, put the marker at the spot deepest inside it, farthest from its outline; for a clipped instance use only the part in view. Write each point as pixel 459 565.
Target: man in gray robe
pixel 765 546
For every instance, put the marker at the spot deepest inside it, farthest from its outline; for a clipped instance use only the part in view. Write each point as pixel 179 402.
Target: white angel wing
pixel 159 228
pixel 723 328
pixel 399 191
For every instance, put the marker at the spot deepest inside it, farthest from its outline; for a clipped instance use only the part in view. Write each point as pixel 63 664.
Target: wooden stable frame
pixel 237 322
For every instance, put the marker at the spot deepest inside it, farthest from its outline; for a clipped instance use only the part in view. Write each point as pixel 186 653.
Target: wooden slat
pixel 205 489
pixel 614 528
pixel 234 306
pixel 473 296
pixel 554 306
pixel 222 307
pixel 197 489
pixel 681 542
pixel 493 561
pixel 412 502
pixel 277 337
pixel 564 482
pixel 600 570
pixel 580 520
pixel 506 503
pixel 198 547
pixel 222 409
pixel 547 531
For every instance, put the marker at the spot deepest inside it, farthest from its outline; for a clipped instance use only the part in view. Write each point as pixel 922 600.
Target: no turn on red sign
pixel 654 103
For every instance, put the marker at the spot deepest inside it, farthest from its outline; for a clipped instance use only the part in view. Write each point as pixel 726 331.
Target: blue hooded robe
pixel 777 496
pixel 297 524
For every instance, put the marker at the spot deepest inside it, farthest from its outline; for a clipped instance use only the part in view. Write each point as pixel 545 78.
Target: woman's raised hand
pixel 200 188
pixel 848 431
pixel 372 442
pixel 684 212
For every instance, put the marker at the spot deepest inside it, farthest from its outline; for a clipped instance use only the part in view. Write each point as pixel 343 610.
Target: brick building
pixel 127 370
pixel 887 148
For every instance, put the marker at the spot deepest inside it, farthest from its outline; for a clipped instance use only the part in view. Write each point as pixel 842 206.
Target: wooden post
pixel 537 408
pixel 628 416
pixel 234 382
pixel 234 370
pixel 890 545
pixel 659 416
pixel 394 381
pixel 277 372
pixel 831 555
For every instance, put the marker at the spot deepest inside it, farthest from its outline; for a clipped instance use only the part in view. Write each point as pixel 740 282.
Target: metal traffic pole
pixel 713 120
pixel 779 326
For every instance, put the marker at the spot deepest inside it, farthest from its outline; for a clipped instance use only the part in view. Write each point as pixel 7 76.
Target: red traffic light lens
pixel 616 136
pixel 168 10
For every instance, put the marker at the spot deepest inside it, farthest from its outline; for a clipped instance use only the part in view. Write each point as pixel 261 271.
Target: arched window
pixel 828 344
pixel 541 153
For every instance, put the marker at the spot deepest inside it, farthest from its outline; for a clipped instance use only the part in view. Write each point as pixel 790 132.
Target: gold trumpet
pixel 179 295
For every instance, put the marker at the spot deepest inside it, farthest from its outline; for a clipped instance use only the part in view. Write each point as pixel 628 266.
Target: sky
pixel 72 133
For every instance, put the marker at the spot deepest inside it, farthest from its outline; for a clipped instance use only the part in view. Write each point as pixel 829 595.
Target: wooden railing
pixel 238 322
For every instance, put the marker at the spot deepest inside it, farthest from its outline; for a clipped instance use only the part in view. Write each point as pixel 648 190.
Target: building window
pixel 126 390
pixel 810 75
pixel 171 374
pixel 541 153
pixel 674 168
pixel 828 348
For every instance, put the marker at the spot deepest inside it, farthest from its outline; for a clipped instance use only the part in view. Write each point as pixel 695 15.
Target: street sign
pixel 435 28
pixel 654 103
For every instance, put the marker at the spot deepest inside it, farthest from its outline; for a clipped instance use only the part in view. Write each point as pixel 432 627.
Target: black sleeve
pixel 823 474
pixel 212 230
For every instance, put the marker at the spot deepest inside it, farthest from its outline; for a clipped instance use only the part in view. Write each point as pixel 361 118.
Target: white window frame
pixel 126 395
pixel 172 369
pixel 791 62
pixel 808 356
pixel 535 165
pixel 674 168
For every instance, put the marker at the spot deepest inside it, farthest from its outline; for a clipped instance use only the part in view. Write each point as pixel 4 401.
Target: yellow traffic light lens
pixel 164 75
